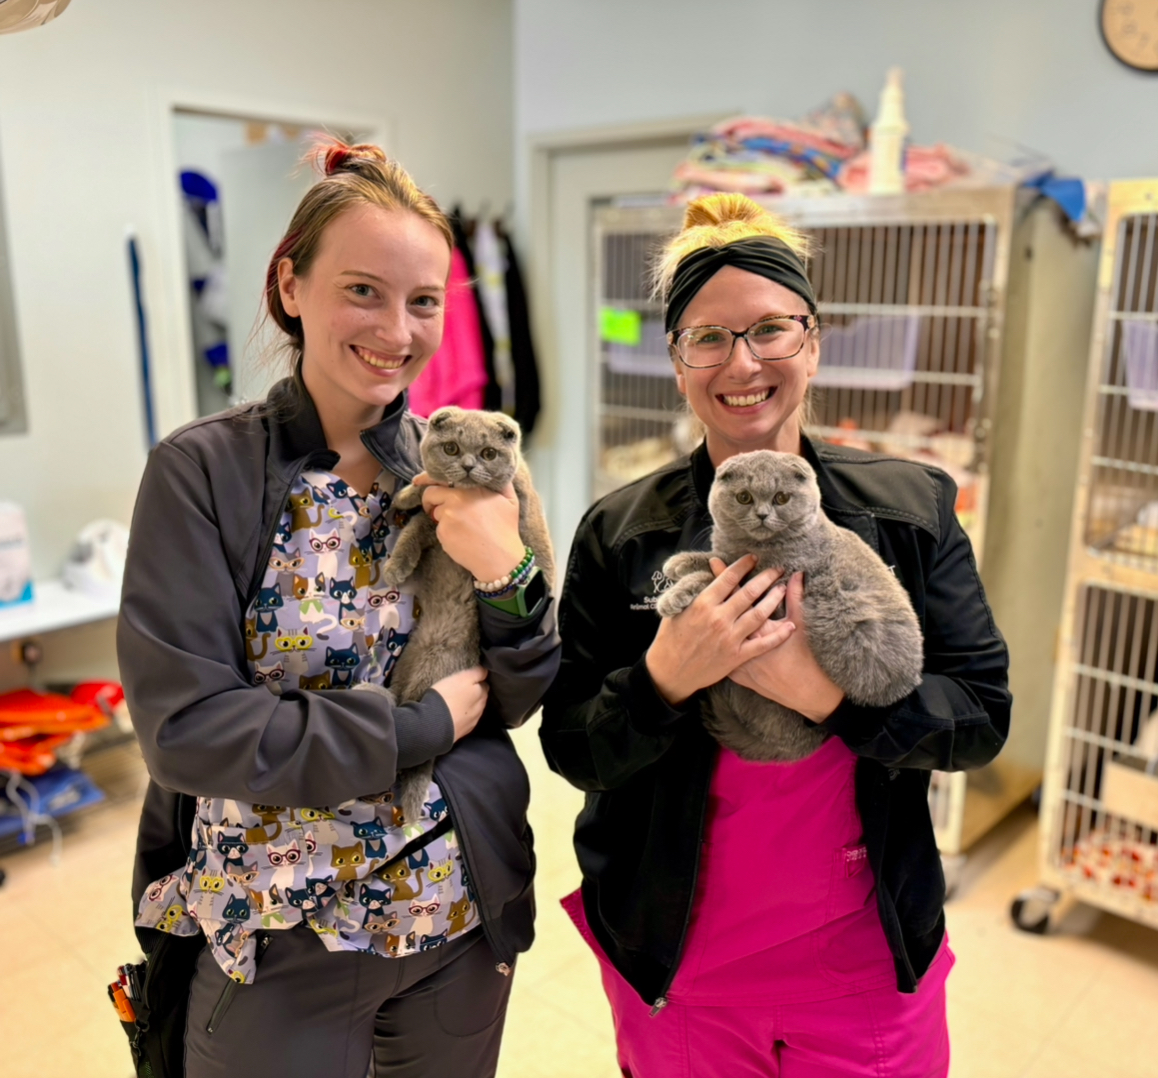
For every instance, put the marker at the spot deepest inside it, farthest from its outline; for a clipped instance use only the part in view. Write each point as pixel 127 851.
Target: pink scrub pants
pixel 786 971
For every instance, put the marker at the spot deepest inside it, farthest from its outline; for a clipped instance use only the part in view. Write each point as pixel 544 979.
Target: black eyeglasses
pixel 769 339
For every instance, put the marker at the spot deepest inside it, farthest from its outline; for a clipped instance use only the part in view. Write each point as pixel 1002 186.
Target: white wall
pixel 980 75
pixel 82 144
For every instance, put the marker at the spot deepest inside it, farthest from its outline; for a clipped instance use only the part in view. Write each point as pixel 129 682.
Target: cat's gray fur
pixel 445 638
pixel 860 622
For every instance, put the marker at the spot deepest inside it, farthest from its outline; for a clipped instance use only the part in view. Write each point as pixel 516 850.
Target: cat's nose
pixel 762 513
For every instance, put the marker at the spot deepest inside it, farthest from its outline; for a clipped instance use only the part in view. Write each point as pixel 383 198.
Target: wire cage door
pixel 1100 796
pixel 911 292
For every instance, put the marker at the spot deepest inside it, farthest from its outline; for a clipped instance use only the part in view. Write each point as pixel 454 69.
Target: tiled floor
pixel 1075 1004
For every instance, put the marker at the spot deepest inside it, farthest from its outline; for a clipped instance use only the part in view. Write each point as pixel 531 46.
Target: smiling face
pixel 371 305
pixel 747 404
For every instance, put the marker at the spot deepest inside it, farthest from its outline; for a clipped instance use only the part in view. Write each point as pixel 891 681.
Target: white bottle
pixel 887 146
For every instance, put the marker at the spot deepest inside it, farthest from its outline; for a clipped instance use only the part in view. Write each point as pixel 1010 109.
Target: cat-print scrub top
pixel 320 622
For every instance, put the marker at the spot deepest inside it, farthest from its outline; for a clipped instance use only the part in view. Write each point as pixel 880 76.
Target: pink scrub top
pixel 785 908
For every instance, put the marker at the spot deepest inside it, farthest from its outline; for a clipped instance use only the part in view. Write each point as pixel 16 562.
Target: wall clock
pixel 1130 30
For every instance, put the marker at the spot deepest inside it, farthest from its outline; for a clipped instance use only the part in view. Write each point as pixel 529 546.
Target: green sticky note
pixel 620 327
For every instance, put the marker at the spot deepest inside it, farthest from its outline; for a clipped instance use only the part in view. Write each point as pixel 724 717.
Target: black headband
pixel 764 255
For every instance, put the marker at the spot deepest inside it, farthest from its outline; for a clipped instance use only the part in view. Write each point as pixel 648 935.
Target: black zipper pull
pixel 659 1006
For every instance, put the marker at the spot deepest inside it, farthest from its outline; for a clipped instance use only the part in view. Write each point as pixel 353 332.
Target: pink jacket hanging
pixel 456 373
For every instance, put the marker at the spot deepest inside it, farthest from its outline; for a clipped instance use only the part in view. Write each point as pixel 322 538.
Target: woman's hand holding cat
pixel 788 672
pixel 719 631
pixel 478 528
pixel 465 694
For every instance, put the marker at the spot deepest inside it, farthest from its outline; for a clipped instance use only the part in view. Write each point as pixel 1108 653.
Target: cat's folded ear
pixel 511 431
pixel 443 416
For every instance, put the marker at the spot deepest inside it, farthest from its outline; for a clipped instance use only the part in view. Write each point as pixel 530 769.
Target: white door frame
pixel 166 291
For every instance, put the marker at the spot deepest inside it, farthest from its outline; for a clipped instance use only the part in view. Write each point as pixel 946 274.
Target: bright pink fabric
pixel 785 901
pixel 456 373
pixel 785 969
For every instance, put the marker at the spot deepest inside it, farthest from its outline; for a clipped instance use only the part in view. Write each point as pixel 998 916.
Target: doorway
pixel 240 179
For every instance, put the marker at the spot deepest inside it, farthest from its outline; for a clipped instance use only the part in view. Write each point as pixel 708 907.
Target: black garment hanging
pixel 492 393
pixel 523 360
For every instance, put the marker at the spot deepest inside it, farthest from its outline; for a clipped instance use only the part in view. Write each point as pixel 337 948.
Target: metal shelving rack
pixel 1099 835
pixel 915 291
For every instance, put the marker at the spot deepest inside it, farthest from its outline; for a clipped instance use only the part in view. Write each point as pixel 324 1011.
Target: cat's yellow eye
pixel 489 453
pixel 744 497
pixel 781 498
pixel 450 448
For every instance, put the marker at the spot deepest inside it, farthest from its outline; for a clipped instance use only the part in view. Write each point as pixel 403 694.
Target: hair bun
pixel 719 209
pixel 338 156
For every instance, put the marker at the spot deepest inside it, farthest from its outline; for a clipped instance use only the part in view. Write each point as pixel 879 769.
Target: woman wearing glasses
pixel 763 918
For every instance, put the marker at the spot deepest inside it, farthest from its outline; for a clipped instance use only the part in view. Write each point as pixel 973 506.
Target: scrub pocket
pixel 850 949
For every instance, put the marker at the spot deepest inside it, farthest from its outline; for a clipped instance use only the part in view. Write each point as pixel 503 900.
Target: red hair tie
pixel 336 157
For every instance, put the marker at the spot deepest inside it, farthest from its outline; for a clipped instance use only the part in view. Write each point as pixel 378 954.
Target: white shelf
pixel 53 607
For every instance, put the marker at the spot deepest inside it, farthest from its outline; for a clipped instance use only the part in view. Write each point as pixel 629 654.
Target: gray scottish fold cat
pixel 459 449
pixel 861 625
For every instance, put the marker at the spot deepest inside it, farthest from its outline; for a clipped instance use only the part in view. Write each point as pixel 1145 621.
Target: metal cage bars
pixel 1099 837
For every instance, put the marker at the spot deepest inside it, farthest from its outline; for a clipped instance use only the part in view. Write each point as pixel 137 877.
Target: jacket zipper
pixel 503 965
pixel 230 989
pixel 662 1000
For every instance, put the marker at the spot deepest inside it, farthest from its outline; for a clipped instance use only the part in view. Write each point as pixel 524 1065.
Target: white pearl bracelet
pixel 504 582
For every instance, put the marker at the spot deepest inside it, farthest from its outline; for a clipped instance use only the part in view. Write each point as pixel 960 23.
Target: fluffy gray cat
pixel 861 626
pixel 459 449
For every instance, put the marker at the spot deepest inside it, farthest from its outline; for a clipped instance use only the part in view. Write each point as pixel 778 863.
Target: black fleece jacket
pixel 208 507
pixel 647 766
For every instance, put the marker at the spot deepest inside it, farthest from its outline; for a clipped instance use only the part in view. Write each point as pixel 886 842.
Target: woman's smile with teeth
pixel 756 396
pixel 375 359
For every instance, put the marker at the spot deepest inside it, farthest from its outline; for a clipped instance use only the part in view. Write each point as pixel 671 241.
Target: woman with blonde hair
pixel 320 928
pixel 776 917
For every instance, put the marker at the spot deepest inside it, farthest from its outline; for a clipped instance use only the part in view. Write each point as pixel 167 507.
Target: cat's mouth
pixel 380 361
pixel 747 400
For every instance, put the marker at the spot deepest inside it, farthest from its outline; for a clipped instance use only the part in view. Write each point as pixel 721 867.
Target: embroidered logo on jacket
pixel 659 584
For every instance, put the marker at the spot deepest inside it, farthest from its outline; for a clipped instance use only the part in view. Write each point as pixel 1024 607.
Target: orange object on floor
pixel 31 755
pixel 26 712
pixel 33 725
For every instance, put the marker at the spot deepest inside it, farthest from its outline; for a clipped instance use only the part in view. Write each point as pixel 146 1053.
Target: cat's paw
pixel 680 596
pixel 688 561
pixel 409 497
pixel 392 577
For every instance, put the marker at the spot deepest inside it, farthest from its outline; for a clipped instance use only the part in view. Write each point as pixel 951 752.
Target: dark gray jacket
pixel 208 508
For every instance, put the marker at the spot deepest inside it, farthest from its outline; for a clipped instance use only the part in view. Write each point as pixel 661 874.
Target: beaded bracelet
pixel 518 580
pixel 488 587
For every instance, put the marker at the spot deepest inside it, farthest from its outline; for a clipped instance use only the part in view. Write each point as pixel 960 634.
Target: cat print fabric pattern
pixel 320 622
